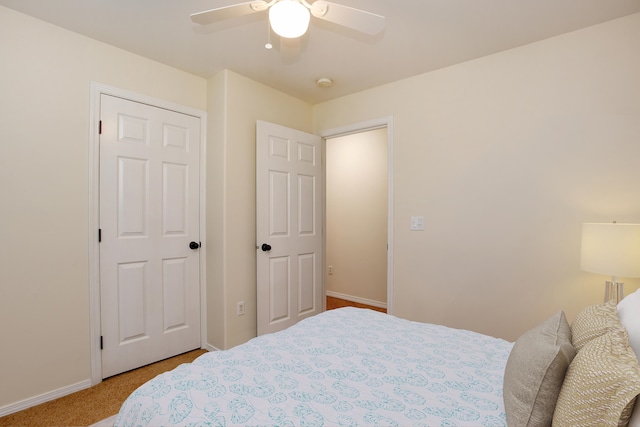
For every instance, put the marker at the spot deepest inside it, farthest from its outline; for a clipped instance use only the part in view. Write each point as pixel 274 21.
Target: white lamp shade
pixel 611 249
pixel 289 18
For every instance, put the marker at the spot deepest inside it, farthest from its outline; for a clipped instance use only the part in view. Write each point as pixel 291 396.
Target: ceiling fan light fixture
pixel 289 18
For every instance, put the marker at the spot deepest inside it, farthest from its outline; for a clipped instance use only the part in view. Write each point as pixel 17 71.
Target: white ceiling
pixel 420 36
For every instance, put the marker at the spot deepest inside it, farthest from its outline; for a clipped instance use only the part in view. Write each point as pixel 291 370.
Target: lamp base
pixel 613 291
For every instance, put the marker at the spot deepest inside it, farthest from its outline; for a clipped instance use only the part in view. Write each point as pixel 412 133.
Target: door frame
pixel 98 89
pixel 383 122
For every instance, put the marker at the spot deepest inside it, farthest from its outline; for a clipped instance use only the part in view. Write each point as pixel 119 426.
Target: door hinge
pixel 101 346
pixel 99 235
pixel 100 127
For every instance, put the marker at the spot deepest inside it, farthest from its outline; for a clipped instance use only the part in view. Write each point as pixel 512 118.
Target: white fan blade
pixel 359 20
pixel 226 12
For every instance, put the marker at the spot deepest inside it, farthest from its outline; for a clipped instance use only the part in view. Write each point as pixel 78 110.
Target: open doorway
pixel 358 215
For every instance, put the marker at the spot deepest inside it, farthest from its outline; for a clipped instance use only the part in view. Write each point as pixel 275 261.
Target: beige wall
pixel 506 156
pixel 232 230
pixel 356 215
pixel 216 190
pixel 45 80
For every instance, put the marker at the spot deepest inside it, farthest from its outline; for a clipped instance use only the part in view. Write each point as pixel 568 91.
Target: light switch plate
pixel 417 223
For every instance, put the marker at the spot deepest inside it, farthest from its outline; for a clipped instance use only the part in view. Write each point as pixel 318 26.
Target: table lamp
pixel 611 249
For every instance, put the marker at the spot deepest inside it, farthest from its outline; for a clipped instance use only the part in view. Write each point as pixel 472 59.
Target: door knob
pixel 265 247
pixel 194 245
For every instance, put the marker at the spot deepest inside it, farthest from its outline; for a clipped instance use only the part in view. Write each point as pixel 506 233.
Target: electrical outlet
pixel 331 270
pixel 240 308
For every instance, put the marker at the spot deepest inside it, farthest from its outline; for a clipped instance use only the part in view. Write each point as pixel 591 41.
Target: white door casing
pixel 289 200
pixel 149 213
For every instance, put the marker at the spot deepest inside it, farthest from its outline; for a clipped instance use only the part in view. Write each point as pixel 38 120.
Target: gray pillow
pixel 535 371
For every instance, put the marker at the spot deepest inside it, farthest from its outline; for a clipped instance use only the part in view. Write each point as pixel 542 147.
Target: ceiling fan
pixel 290 18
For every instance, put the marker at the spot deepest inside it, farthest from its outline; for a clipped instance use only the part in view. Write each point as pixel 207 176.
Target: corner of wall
pixel 216 236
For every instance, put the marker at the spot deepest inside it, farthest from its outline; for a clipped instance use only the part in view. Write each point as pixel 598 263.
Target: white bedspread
pixel 345 367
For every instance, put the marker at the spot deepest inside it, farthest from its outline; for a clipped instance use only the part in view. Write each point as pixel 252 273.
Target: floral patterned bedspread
pixel 344 367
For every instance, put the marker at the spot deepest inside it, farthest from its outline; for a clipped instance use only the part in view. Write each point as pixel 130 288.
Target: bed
pixel 358 367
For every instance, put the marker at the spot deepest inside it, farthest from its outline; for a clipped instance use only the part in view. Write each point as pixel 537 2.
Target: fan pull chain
pixel 268 45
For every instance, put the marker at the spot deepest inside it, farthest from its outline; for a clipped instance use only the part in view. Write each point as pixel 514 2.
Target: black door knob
pixel 194 245
pixel 265 247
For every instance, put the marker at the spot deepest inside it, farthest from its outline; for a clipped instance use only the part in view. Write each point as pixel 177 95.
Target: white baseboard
pixel 357 299
pixel 209 347
pixel 37 400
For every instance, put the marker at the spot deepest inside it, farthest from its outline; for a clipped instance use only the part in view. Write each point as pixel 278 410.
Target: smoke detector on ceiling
pixel 324 82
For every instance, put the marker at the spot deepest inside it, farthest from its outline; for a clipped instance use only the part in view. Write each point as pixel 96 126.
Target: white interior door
pixel 149 215
pixel 288 226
